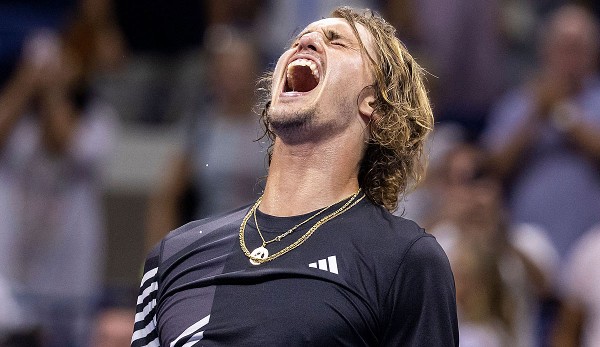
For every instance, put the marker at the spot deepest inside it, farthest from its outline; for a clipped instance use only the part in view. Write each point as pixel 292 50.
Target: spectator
pixel 545 136
pixel 14 331
pixel 19 19
pixel 485 247
pixel 459 42
pixel 54 138
pixel 423 204
pixel 217 163
pixel 578 323
pixel 166 68
pixel 113 327
pixel 114 319
pixel 481 297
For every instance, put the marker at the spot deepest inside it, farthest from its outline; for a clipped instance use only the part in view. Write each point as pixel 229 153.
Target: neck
pixel 305 177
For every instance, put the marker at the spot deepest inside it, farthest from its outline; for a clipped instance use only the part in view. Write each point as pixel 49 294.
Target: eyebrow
pixel 329 33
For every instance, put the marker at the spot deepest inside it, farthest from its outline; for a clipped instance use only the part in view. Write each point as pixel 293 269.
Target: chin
pixel 290 124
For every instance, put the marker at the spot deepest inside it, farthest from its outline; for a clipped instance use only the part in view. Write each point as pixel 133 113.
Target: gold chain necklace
pixel 261 255
pixel 278 238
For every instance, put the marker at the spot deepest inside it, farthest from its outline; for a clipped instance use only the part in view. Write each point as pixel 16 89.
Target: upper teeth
pixel 305 62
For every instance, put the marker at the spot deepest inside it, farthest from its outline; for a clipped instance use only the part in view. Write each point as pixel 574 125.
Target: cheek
pixel 359 72
pixel 351 78
pixel 279 70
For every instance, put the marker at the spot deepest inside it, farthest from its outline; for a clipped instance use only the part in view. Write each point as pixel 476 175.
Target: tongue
pixel 301 79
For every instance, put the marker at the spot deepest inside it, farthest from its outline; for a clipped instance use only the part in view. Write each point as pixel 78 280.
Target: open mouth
pixel 302 76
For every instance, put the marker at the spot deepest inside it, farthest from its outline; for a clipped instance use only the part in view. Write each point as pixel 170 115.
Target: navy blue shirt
pixel 364 278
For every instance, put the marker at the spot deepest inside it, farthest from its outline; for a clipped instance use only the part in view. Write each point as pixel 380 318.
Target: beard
pixel 312 122
pixel 290 125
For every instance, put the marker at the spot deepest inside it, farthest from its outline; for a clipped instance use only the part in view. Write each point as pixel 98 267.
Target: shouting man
pixel 318 259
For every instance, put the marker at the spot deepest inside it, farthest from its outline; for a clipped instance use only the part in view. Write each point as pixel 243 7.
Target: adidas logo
pixel 329 264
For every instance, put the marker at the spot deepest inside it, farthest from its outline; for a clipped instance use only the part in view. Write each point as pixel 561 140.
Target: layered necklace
pixel 261 255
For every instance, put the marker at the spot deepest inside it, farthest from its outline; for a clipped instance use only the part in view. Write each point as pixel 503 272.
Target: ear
pixel 366 100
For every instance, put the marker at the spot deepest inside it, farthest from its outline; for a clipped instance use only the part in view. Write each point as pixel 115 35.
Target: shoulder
pixel 578 279
pixel 395 231
pixel 412 248
pixel 425 255
pixel 205 230
pixel 419 305
pixel 397 239
pixel 586 250
pixel 533 241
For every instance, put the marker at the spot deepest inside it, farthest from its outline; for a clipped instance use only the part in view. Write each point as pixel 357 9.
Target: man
pixel 56 137
pixel 544 136
pixel 318 259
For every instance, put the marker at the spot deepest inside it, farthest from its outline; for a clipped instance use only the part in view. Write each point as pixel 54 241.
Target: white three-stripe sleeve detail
pixel 138 334
pixel 191 329
pixel 194 339
pixel 140 316
pixel 149 274
pixel 153 343
pixel 143 314
pixel 146 292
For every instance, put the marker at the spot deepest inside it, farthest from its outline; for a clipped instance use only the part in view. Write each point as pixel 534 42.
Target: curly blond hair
pixel 393 158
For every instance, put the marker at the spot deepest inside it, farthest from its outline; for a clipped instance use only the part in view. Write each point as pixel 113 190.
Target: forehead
pixel 342 27
pixel 571 25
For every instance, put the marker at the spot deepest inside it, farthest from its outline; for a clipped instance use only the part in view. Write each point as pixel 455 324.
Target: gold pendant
pixel 258 253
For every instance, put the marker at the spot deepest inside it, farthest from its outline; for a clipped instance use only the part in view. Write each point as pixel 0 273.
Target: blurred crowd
pixel 512 191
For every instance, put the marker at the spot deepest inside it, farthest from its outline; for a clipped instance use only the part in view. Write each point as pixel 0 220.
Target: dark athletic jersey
pixel 364 278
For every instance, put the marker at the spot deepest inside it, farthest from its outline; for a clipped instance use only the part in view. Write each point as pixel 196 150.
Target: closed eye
pixel 334 38
pixel 331 35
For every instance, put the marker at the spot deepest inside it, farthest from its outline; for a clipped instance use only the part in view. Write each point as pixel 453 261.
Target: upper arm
pixel 145 331
pixel 421 303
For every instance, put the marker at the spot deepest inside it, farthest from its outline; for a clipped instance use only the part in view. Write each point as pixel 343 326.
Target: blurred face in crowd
pixel 473 194
pixel 234 67
pixel 318 81
pixel 570 47
pixel 478 282
pixel 113 328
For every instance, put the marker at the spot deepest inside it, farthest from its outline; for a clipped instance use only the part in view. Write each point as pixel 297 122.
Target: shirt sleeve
pixel 421 303
pixel 145 333
pixel 578 279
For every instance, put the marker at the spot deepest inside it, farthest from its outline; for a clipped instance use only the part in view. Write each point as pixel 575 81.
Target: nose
pixel 311 41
